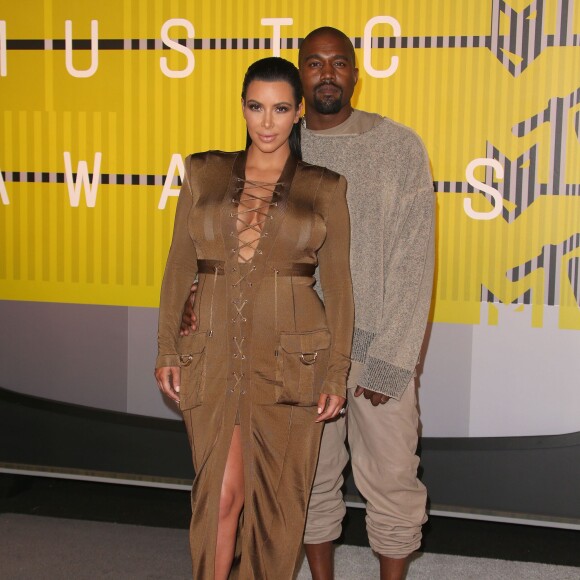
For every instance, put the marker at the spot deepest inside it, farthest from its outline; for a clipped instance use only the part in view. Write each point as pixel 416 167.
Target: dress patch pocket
pixel 302 366
pixel 192 362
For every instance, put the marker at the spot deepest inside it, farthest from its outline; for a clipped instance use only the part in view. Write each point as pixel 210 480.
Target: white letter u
pixel 68 49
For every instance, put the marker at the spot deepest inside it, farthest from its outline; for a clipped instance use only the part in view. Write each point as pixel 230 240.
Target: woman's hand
pixel 168 381
pixel 329 406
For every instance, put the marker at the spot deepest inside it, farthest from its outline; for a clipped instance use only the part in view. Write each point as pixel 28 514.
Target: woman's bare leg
pixel 231 504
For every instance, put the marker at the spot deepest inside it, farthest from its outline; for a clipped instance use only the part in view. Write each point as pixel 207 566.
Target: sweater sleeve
pixel 334 270
pixel 408 269
pixel 180 272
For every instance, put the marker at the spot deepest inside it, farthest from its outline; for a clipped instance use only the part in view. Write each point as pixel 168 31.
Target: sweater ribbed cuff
pixel 361 341
pixel 382 377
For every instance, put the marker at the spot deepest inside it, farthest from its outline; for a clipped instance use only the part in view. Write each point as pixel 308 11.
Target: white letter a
pixel 176 164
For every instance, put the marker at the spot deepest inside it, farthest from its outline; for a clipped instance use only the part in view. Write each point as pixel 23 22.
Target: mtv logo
pixel 519 38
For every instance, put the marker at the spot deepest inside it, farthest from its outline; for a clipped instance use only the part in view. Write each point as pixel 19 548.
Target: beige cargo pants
pixel 383 442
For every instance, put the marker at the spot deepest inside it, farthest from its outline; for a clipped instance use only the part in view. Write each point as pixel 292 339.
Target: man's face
pixel 328 73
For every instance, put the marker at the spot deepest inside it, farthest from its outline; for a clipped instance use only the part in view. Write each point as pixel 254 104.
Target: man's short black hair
pixel 331 31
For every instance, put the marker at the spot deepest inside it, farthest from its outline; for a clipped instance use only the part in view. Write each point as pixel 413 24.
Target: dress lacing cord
pixel 241 279
pixel 262 196
pixel 265 201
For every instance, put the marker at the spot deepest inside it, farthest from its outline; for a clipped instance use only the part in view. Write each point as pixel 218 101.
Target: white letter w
pixel 74 187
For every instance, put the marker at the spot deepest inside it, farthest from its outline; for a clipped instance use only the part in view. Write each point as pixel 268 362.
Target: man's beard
pixel 328 105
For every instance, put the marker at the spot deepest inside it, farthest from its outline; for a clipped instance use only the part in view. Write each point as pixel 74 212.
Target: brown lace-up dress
pixel 265 347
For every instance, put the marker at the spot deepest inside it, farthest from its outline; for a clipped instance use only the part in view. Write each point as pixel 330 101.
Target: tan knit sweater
pixel 392 207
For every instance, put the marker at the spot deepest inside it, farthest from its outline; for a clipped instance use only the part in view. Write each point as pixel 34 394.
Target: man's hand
pixel 376 399
pixel 329 407
pixel 168 381
pixel 188 318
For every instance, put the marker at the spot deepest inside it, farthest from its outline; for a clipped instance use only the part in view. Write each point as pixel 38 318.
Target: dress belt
pixel 295 269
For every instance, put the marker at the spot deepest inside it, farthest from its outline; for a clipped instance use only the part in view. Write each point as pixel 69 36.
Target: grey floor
pixel 34 547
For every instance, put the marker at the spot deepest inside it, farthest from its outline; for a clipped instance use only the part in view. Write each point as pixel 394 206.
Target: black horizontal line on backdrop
pixel 137 44
pixel 439 186
pixel 453 41
pixel 104 178
pixel 159 180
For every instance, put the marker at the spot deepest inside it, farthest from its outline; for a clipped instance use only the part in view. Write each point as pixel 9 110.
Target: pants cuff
pixel 321 539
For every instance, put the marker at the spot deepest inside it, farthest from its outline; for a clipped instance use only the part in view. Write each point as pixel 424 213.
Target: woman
pixel 268 363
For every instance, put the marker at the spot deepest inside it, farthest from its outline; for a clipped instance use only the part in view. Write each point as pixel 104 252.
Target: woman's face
pixel 270 111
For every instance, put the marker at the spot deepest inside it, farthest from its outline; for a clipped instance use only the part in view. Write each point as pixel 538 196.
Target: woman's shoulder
pixel 213 156
pixel 319 172
pixel 326 183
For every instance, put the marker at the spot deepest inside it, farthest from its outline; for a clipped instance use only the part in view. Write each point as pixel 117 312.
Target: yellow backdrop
pixel 479 81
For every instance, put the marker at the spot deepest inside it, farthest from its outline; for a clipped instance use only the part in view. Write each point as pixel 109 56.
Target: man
pixel 391 201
